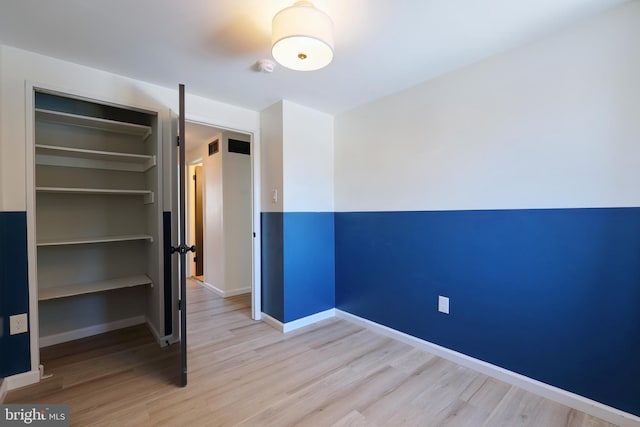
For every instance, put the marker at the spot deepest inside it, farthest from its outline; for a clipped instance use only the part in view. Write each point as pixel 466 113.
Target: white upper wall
pixel 307 159
pixel 271 157
pixel 552 124
pixel 18 66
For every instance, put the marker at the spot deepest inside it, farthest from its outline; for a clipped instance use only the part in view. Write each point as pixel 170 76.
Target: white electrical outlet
pixel 18 324
pixel 443 304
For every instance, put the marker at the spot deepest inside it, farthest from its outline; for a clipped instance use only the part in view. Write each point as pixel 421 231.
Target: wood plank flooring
pixel 245 373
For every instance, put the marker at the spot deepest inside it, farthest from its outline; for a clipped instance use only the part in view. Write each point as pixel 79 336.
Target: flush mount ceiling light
pixel 302 37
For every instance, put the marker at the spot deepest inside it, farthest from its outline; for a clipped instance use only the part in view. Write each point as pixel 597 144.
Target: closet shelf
pixel 89 240
pixel 93 287
pixel 93 123
pixel 53 155
pixel 148 194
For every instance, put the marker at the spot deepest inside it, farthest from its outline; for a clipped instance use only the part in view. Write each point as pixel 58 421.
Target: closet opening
pixel 95 239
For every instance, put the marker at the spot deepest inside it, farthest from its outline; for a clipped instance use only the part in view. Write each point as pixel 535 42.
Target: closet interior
pixel 98 216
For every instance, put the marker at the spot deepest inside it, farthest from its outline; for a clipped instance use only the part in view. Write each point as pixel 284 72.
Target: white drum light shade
pixel 302 37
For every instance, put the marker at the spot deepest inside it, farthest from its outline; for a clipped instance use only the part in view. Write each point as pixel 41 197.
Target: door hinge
pixel 195 259
pixel 179 304
pixel 178 141
pixel 194 177
pixel 254 234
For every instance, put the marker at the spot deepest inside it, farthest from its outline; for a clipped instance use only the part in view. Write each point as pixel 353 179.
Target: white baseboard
pixel 581 403
pixel 225 294
pixel 273 322
pixel 300 323
pixel 22 380
pixel 3 390
pixel 309 320
pixel 237 291
pixel 89 331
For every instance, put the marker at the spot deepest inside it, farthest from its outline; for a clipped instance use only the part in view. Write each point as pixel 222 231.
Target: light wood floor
pixel 244 373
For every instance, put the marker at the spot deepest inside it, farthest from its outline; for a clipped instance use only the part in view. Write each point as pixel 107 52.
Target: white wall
pixel 307 159
pixel 271 157
pixel 297 158
pixel 551 124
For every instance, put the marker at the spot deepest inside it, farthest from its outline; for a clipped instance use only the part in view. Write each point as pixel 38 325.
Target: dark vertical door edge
pixel 182 234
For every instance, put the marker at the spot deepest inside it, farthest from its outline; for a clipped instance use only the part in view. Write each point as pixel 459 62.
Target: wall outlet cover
pixel 443 304
pixel 18 324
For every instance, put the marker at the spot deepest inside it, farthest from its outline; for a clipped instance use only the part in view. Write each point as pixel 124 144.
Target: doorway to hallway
pixel 220 208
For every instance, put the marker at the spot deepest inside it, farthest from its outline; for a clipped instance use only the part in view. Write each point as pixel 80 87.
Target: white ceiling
pixel 381 46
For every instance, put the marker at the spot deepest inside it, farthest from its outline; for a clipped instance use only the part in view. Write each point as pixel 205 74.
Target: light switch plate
pixel 18 324
pixel 443 304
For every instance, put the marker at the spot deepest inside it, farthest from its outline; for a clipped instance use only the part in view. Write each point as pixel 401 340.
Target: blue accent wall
pixel 15 355
pixel 298 266
pixel 551 294
pixel 309 264
pixel 271 224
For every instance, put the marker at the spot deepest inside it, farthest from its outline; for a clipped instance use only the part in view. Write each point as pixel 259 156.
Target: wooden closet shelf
pixel 148 194
pixel 78 157
pixel 88 288
pixel 93 123
pixel 89 240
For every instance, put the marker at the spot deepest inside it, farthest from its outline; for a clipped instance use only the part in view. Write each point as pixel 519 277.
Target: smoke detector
pixel 265 66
